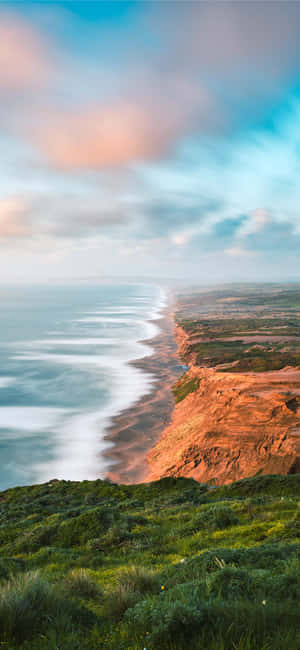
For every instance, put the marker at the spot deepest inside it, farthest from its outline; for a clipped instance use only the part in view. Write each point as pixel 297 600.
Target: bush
pixel 116 535
pixel 34 539
pixel 264 556
pixel 292 528
pixel 95 544
pixel 88 525
pixel 81 583
pixel 217 517
pixel 232 583
pixel 187 619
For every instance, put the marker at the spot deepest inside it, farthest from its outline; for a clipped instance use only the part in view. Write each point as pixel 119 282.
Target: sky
pixel 149 140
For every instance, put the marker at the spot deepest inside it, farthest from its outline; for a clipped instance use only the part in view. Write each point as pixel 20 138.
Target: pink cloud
pixel 24 61
pixel 13 219
pixel 165 95
pixel 95 137
pixel 124 132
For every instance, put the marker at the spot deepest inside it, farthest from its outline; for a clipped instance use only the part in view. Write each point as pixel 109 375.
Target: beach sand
pixel 135 431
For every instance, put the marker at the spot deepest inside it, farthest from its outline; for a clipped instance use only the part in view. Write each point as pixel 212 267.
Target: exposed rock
pixel 232 426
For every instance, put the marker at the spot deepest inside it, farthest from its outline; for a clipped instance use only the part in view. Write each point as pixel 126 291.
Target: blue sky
pixel 149 139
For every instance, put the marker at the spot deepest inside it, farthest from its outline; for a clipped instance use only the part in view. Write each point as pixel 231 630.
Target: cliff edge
pixel 231 427
pixel 228 425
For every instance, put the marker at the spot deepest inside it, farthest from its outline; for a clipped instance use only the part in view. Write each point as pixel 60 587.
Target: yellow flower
pixel 162 587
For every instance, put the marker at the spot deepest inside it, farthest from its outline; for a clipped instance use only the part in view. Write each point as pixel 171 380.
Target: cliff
pixel 231 425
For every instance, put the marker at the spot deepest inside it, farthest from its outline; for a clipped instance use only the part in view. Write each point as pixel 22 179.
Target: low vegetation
pixel 165 565
pixel 252 329
pixel 184 387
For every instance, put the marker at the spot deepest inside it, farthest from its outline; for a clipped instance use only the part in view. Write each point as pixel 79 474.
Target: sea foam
pixel 76 436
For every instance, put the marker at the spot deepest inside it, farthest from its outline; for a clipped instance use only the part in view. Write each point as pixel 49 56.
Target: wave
pixel 32 419
pixel 76 436
pixel 74 341
pixel 6 381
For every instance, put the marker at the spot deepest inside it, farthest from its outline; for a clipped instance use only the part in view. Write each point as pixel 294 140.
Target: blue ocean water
pixel 65 373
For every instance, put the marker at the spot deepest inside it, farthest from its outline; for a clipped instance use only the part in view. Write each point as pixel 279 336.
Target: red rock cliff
pixel 232 426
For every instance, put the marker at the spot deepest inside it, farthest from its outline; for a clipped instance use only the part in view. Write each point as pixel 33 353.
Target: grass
pixel 169 565
pixel 265 313
pixel 81 583
pixel 184 387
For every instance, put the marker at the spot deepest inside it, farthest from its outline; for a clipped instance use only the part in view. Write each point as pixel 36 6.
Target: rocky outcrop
pixel 231 427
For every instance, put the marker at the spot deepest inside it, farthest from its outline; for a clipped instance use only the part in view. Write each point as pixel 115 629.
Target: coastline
pixel 136 430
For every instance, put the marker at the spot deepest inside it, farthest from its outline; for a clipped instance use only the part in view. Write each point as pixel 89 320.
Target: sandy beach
pixel 136 430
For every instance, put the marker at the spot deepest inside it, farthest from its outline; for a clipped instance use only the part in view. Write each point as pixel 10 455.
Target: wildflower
pixel 162 587
pixel 183 560
pixel 264 602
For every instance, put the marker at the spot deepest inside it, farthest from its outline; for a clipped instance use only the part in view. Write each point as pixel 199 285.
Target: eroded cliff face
pixel 232 426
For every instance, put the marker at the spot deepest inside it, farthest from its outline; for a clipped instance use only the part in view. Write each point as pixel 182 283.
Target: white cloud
pixel 237 251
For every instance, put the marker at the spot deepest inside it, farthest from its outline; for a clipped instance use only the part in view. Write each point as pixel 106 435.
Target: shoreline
pixel 136 430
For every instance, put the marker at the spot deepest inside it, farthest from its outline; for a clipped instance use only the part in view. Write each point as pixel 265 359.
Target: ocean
pixel 65 372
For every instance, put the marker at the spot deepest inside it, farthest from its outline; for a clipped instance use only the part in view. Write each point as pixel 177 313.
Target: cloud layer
pixel 169 136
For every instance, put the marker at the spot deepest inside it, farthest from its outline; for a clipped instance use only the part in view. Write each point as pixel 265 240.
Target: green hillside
pixel 170 564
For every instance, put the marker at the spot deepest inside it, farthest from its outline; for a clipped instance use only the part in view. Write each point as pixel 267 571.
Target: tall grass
pixel 81 583
pixel 28 603
pixel 133 584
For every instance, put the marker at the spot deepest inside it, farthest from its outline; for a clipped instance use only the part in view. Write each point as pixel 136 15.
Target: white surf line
pixel 77 341
pixel 105 319
pixel 81 438
pixel 111 312
pixel 6 381
pixel 31 419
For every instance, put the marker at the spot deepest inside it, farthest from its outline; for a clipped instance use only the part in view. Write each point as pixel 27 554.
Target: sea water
pixel 65 372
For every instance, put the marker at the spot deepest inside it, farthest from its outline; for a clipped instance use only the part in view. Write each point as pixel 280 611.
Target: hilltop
pixel 164 565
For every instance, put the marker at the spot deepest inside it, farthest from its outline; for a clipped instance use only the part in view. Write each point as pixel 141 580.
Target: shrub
pixel 165 620
pixel 116 534
pixel 231 583
pixel 217 517
pixel 187 619
pixel 34 539
pixel 88 525
pixel 264 556
pixel 81 583
pixel 292 527
pixel 9 565
pixel 95 544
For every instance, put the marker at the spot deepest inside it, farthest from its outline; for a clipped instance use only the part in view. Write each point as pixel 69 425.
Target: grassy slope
pixel 171 564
